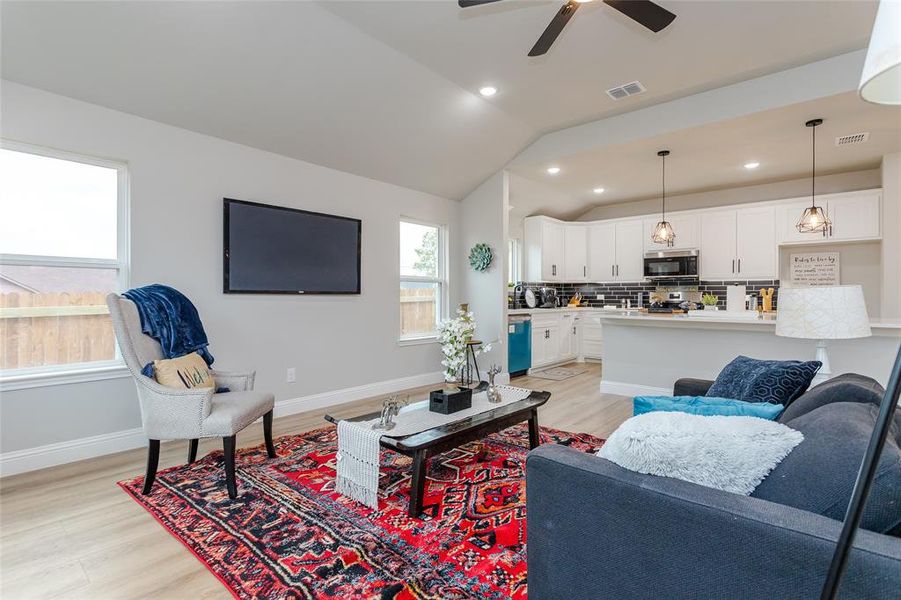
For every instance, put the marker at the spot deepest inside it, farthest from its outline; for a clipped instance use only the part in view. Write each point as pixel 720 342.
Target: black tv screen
pixel 278 250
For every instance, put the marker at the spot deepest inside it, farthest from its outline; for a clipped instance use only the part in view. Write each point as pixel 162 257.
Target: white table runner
pixel 359 449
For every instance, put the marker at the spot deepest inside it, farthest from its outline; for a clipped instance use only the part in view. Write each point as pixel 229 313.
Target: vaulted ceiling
pixel 388 90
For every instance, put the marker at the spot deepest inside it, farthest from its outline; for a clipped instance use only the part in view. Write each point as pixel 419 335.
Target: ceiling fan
pixel 653 16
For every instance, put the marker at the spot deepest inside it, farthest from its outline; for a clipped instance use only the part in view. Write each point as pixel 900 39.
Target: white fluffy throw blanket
pixel 728 453
pixel 358 462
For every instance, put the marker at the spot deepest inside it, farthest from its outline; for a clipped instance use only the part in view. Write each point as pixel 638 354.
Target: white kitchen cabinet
pixel 616 251
pixel 684 226
pixel 717 248
pixel 544 241
pixel 546 342
pixel 590 337
pixel 855 216
pixel 629 251
pixel 569 346
pixel 575 253
pixel 738 244
pixel 602 252
pixel 755 243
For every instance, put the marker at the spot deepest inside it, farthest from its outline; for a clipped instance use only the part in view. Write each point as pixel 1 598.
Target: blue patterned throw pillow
pixel 773 381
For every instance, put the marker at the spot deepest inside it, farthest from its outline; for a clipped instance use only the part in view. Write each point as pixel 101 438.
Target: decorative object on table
pixel 823 313
pixel 390 409
pixel 480 257
pixel 735 298
pixel 819 268
pixel 814 219
pixel 494 396
pixel 766 299
pixel 663 231
pixel 454 335
pixel 733 454
pixel 879 81
pixel 707 406
pixel 754 380
pixel 389 550
pixel 710 301
pixel 473 347
pixel 448 401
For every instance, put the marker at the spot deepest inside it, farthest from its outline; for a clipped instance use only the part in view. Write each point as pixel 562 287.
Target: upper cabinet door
pixel 552 251
pixel 855 216
pixel 685 228
pixel 717 247
pixel 756 251
pixel 630 250
pixel 575 261
pixel 602 252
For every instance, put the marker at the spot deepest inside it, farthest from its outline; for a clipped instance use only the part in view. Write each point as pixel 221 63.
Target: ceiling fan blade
pixel 554 28
pixel 468 3
pixel 653 16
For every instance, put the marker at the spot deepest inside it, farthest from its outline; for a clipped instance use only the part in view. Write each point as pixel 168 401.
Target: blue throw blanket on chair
pixel 169 317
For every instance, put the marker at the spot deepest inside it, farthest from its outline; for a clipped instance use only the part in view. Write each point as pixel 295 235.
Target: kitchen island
pixel 644 354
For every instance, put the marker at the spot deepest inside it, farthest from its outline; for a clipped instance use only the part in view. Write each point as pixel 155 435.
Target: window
pixel 63 247
pixel 423 282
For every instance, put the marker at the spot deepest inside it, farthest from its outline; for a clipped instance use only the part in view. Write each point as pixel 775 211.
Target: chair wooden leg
pixel 153 461
pixel 192 450
pixel 228 445
pixel 267 433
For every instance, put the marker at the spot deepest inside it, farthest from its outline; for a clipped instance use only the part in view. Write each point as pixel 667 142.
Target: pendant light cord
pixel 813 169
pixel 664 187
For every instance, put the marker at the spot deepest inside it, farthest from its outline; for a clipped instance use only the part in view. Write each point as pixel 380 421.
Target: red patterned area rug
pixel 289 535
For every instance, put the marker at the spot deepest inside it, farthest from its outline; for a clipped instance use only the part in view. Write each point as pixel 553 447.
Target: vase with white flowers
pixel 454 335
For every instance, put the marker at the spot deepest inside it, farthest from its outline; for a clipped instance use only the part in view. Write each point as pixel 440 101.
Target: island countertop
pixel 766 321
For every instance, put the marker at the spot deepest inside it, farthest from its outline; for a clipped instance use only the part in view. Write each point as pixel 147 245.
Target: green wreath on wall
pixel 480 257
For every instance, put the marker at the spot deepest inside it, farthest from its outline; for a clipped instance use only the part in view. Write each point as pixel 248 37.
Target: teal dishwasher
pixel 519 344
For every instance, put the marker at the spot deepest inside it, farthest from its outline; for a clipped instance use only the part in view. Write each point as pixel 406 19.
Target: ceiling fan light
pixel 663 233
pixel 814 220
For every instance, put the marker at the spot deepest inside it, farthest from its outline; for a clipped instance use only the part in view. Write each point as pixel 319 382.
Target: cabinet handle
pixel 733 265
pixel 574 330
pixel 584 271
pixel 739 265
pixel 617 270
pixel 612 268
pixel 553 269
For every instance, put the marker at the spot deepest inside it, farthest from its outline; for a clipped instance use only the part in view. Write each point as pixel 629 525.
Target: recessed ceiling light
pixel 488 91
pixel 598 190
pixel 752 165
pixel 553 170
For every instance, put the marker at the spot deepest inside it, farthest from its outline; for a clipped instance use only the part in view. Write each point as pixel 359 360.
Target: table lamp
pixel 835 312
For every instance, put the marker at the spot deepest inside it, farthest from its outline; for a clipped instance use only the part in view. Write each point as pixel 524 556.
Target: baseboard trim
pixel 632 389
pixel 293 406
pixel 52 455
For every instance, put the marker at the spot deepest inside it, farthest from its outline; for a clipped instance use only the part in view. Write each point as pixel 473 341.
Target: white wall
pixel 794 188
pixel 891 242
pixel 178 180
pixel 484 220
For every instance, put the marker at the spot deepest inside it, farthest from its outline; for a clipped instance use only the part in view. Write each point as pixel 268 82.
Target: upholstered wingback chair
pixel 187 414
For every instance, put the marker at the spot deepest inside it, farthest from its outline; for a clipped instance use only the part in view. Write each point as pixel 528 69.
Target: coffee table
pixel 420 446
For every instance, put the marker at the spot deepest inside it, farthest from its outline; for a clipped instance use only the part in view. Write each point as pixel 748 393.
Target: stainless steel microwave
pixel 671 264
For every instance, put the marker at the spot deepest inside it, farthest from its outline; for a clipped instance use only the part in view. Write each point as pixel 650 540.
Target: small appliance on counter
pixel 547 298
pixel 669 299
pixel 671 264
pixel 531 298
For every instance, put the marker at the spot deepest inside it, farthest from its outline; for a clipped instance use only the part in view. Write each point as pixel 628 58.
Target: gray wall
pixel 178 180
pixel 794 188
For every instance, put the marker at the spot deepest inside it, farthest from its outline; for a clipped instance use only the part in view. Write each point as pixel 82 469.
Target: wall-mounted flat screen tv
pixel 279 250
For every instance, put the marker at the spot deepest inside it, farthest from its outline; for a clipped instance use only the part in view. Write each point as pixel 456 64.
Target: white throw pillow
pixel 727 453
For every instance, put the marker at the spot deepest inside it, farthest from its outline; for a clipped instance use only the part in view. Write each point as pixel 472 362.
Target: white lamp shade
pixel 880 81
pixel 822 313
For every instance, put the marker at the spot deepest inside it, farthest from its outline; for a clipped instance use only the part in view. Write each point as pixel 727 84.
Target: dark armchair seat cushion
pixel 847 387
pixel 774 381
pixel 819 474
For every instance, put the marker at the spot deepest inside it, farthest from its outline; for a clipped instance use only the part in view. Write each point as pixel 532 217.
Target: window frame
pixel 441 279
pixel 12 379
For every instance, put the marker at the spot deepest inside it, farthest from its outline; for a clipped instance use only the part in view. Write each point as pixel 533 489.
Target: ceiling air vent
pixel 623 91
pixel 854 138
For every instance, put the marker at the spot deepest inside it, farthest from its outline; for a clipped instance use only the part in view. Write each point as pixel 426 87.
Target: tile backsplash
pixel 615 292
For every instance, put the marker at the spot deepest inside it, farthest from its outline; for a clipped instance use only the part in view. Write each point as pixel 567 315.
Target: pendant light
pixel 814 219
pixel 663 232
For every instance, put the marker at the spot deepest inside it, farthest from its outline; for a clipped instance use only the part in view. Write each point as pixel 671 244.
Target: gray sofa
pixel 597 530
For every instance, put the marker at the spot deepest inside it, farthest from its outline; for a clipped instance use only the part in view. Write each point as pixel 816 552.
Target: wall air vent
pixel 626 90
pixel 854 138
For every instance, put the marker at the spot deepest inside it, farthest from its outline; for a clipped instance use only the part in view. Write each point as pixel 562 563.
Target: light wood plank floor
pixel 70 532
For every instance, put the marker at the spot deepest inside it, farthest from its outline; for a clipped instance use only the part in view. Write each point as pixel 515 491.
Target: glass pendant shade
pixel 814 220
pixel 663 233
